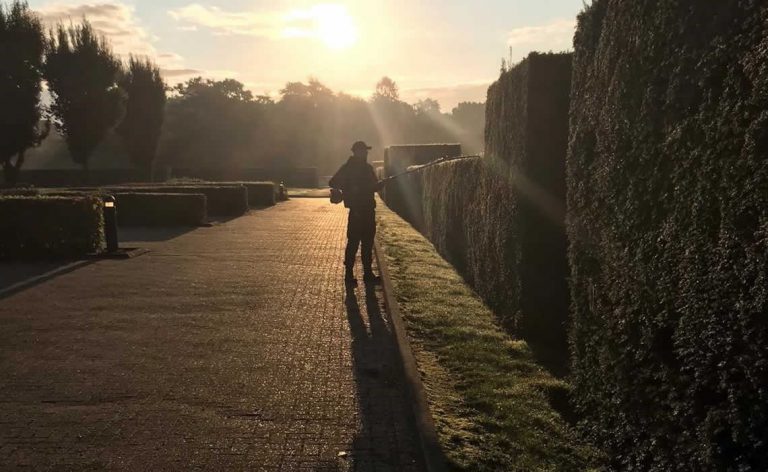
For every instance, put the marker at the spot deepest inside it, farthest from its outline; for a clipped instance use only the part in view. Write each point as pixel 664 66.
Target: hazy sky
pixel 449 50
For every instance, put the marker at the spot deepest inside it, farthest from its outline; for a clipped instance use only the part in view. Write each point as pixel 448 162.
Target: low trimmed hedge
pixel 668 232
pixel 161 209
pixel 50 227
pixel 223 200
pixel 260 194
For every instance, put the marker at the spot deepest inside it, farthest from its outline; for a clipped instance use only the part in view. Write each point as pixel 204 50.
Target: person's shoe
pixel 371 278
pixel 349 278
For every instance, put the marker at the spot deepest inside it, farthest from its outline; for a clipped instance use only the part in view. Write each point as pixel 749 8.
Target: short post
pixel 110 223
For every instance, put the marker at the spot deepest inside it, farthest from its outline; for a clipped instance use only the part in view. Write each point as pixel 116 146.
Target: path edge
pixel 432 453
pixel 38 279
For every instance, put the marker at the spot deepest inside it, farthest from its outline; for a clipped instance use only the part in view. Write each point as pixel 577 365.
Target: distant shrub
pixel 301 177
pixel 260 194
pixel 668 231
pixel 160 209
pixel 50 227
pixel 222 200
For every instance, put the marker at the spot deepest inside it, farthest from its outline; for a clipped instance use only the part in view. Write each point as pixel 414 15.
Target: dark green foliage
pixel 527 138
pixel 50 227
pixel 668 230
pixel 161 209
pixel 144 112
pixel 219 124
pixel 22 43
pixel 210 124
pixel 500 220
pixel 469 215
pixel 82 74
pixel 223 200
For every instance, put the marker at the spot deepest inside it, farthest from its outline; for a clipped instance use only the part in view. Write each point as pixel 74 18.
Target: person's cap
pixel 360 145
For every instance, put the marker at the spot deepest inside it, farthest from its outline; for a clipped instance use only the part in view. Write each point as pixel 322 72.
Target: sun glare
pixel 334 26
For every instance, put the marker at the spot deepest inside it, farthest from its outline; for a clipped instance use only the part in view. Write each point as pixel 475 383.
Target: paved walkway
pixel 225 348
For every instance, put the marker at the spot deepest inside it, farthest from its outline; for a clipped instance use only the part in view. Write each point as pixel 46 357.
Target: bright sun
pixel 335 26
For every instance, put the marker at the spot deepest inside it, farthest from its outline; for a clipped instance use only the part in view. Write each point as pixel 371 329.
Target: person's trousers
pixel 361 229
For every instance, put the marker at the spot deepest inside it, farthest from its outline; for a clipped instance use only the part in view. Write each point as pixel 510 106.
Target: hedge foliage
pixel 469 215
pixel 403 195
pixel 222 200
pixel 500 220
pixel 161 209
pixel 668 228
pixel 260 194
pixel 50 227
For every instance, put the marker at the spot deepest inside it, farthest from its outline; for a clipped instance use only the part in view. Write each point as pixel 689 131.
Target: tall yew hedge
pixel 668 228
pixel 500 220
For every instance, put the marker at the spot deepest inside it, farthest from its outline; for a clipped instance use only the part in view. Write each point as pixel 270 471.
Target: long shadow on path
pixel 386 439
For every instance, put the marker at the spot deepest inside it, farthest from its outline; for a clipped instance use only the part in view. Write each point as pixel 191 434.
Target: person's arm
pixel 374 181
pixel 337 181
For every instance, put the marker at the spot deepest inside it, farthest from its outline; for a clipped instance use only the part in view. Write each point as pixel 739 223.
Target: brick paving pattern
pixel 233 347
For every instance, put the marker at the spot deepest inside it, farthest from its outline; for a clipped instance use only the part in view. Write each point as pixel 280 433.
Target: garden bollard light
pixel 110 223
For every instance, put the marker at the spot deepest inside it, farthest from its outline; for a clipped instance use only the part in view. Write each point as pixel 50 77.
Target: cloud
pixel 214 18
pixel 319 21
pixel 556 35
pixel 169 73
pixel 119 24
pixel 116 21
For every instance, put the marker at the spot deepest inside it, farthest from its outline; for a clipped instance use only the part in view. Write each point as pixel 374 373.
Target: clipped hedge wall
pixel 500 220
pixel 668 229
pixel 50 227
pixel 403 195
pixel 161 209
pixel 526 137
pixel 222 200
pixel 470 216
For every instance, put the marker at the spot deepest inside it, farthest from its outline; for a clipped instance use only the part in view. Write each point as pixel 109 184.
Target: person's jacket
pixel 358 183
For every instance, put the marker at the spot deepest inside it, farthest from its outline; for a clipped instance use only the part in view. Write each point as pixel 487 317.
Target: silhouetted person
pixel 358 183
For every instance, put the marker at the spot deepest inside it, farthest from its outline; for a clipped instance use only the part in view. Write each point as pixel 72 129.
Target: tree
pixel 144 112
pixel 22 44
pixel 386 88
pixel 82 74
pixel 428 106
pixel 211 124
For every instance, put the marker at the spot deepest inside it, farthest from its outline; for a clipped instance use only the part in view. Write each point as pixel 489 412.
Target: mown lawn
pixel 488 397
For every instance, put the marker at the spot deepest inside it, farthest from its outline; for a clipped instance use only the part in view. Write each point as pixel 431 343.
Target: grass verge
pixel 309 192
pixel 489 399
